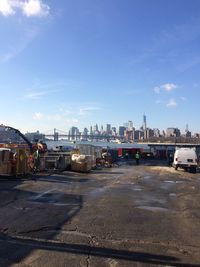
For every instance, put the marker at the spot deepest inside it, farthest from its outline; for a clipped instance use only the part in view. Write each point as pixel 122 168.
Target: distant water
pixel 64 143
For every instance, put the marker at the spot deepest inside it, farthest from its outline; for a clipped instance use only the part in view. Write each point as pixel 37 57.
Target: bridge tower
pixel 55 135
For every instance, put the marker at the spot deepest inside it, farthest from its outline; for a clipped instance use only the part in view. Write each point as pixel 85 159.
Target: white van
pixel 185 158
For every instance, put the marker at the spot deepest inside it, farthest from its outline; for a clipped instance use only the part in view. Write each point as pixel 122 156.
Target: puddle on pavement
pixel 57 199
pixel 172 194
pixel 147 177
pixel 173 182
pixel 153 208
pixel 22 208
pixel 137 188
pixel 98 192
pixel 168 184
pixel 149 201
pixel 65 204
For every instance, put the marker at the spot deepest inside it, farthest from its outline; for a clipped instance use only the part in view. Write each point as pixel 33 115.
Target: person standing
pixel 137 158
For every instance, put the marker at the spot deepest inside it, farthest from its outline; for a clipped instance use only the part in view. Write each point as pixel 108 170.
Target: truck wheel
pixel 176 167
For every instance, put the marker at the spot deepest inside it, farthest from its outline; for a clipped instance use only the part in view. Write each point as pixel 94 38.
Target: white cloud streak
pixel 168 87
pixel 171 47
pixel 79 109
pixel 86 110
pixel 38 94
pixel 55 117
pixel 61 116
pixel 38 116
pixel 172 103
pixel 29 8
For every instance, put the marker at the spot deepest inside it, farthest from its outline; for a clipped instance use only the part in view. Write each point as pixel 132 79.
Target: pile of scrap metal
pixel 109 158
pixel 18 156
pixel 60 161
pixel 6 161
pixel 82 163
pixel 104 161
pixel 14 161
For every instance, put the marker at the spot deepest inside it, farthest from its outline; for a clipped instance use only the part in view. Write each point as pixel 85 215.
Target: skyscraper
pixel 144 122
pixel 121 131
pixel 108 129
pixel 130 125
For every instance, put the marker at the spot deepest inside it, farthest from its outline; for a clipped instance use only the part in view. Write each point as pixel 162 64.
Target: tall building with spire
pixel 144 127
pixel 144 122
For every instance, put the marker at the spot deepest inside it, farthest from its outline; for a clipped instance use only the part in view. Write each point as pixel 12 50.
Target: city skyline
pixel 101 126
pixel 126 133
pixel 75 63
pixel 110 128
pixel 129 124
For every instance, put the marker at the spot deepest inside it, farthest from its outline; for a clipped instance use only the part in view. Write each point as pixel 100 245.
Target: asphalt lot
pixel 146 215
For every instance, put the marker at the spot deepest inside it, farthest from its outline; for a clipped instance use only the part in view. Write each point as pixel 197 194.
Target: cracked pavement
pixel 124 216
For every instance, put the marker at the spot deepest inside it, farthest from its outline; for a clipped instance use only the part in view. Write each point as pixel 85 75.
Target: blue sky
pixel 78 63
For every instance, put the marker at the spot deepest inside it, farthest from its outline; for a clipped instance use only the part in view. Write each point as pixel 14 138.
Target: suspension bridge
pixel 57 135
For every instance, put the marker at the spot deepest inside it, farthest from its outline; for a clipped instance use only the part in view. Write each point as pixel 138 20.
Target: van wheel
pixel 176 167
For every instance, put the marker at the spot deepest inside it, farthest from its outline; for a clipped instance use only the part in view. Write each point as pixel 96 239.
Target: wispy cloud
pixel 27 31
pixel 166 87
pixel 38 116
pixel 87 109
pixel 169 86
pixel 29 8
pixel 171 47
pixel 55 117
pixel 172 103
pixel 188 64
pixel 71 121
pixel 61 116
pixel 38 94
pixel 79 109
pixel 177 42
pixel 18 48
